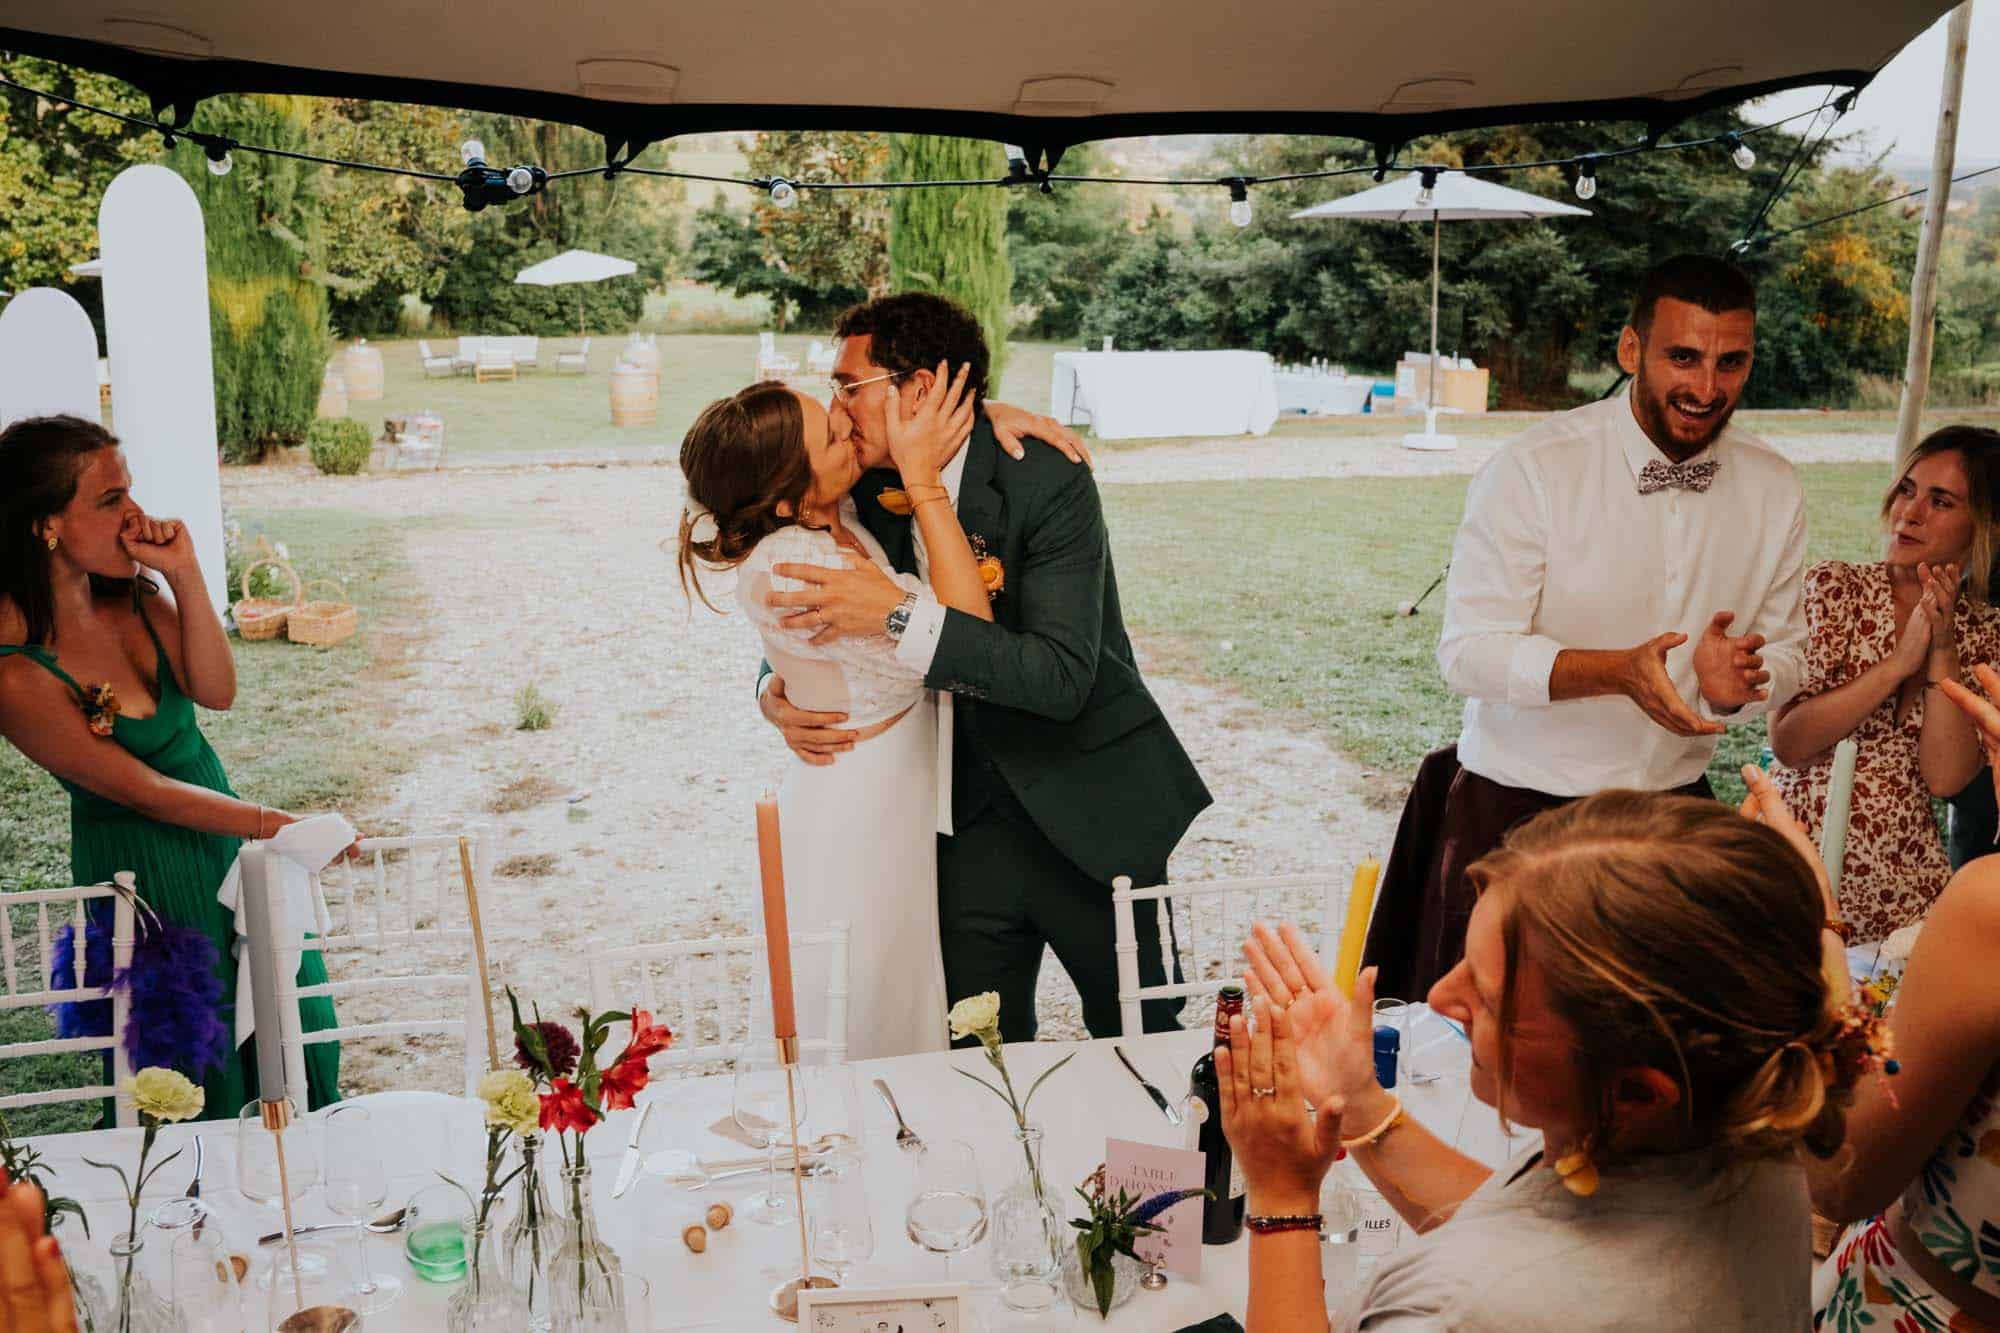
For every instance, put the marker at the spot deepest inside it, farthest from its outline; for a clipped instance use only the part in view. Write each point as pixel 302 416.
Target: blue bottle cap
pixel 1388 1045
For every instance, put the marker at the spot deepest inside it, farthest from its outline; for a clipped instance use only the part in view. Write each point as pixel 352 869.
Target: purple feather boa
pixel 176 1019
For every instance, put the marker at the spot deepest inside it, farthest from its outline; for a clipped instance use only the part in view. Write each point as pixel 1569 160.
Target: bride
pixel 767 483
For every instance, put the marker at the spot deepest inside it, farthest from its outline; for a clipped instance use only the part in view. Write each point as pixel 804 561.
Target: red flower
pixel 563 1108
pixel 648 1038
pixel 557 1044
pixel 618 1085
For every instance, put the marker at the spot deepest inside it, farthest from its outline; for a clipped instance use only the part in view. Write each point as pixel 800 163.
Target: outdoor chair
pixel 707 990
pixel 435 366
pixel 41 991
pixel 526 351
pixel 577 362
pixel 1210 922
pixel 402 907
pixel 494 362
pixel 467 354
pixel 771 366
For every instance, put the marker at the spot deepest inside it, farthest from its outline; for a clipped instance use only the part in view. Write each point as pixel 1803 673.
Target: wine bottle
pixel 1222 1211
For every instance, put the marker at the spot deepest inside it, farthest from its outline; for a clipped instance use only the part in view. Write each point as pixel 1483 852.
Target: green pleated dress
pixel 179 870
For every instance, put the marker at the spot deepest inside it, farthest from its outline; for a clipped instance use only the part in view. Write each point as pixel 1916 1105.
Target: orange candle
pixel 777 932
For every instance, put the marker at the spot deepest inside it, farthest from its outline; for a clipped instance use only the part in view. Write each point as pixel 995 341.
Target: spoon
pixel 385 1225
pixel 320 1319
pixel 811 1170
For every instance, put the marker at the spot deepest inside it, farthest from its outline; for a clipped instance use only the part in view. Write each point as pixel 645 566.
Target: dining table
pixel 426 1137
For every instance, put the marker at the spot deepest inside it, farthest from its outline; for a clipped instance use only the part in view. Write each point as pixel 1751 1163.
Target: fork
pixel 906 1138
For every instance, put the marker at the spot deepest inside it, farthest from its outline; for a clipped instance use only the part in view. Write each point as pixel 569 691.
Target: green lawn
pixel 1287 591
pixel 300 738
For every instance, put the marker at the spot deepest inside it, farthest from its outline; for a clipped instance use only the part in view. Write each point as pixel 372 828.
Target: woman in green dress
pixel 100 670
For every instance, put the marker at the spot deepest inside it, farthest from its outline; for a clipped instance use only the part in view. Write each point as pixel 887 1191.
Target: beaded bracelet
pixel 1373 1136
pixel 1265 1226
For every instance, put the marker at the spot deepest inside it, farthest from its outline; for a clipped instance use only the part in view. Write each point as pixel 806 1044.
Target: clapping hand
pixel 1913 641
pixel 1985 717
pixel 1730 670
pixel 162 544
pixel 1939 605
pixel 1765 806
pixel 1334 1037
pixel 1644 680
pixel 1283 1149
pixel 34 1284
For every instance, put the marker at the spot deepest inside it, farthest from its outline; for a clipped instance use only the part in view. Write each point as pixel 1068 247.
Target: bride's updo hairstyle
pixel 743 457
pixel 1674 934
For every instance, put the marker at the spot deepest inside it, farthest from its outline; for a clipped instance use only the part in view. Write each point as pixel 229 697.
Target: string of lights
pixel 482 184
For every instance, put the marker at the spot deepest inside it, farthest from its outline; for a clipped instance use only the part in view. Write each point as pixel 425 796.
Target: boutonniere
pixel 991 572
pixel 100 708
pixel 896 500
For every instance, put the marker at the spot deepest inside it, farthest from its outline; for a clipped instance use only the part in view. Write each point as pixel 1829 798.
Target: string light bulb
pixel 520 180
pixel 1239 203
pixel 783 193
pixel 219 161
pixel 1740 152
pixel 1427 182
pixel 1586 180
pixel 472 151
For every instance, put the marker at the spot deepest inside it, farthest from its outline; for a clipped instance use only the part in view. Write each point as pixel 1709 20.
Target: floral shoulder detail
pixel 100 708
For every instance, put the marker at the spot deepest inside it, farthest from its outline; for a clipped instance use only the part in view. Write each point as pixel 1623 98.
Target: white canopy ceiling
pixel 575 266
pixel 1041 73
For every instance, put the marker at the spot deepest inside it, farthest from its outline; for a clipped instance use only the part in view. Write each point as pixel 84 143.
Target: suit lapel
pixel 981 506
pixel 892 530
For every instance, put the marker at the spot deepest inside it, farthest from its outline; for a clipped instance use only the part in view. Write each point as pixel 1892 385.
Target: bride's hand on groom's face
pixel 926 425
pixel 856 600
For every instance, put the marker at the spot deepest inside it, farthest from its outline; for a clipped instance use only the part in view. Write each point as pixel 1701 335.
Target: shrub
pixel 532 710
pixel 339 447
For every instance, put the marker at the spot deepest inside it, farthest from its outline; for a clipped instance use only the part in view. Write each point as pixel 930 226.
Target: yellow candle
pixel 1360 902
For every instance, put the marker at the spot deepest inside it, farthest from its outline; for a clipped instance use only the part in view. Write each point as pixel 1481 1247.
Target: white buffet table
pixel 1133 395
pixel 1318 395
pixel 724 1288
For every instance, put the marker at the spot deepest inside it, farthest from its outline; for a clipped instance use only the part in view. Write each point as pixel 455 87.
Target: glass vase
pixel 581 1253
pixel 89 1268
pixel 133 1300
pixel 533 1233
pixel 1029 1233
pixel 1081 1285
pixel 486 1301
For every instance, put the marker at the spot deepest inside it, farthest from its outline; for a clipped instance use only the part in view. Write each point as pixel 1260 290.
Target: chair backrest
pixel 468 347
pixel 707 990
pixel 401 904
pixel 1210 919
pixel 491 354
pixel 25 955
pixel 585 349
pixel 424 349
pixel 767 343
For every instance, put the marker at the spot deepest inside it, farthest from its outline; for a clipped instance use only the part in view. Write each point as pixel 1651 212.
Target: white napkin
pixel 1896 948
pixel 302 850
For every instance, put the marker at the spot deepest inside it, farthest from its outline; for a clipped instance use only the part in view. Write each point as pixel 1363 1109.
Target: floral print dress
pixel 1896 864
pixel 1866 1286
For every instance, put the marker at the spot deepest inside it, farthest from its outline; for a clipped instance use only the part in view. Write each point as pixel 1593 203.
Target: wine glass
pixel 762 1102
pixel 843 1227
pixel 206 1289
pixel 355 1188
pixel 838 1124
pixel 258 1177
pixel 947 1211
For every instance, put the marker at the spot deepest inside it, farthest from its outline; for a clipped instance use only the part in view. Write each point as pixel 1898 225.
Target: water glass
pixel 203 1285
pixel 617 1302
pixel 1339 1238
pixel 1403 1016
pixel 434 1232
pixel 763 1099
pixel 947 1209
pixel 842 1225
pixel 257 1174
pixel 317 1284
pixel 356 1186
pixel 838 1122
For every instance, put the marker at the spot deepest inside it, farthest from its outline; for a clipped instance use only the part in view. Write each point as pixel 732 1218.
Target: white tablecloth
pixel 1133 395
pixel 1322 395
pixel 725 1288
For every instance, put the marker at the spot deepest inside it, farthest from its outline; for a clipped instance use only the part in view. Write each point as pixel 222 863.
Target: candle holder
pixel 785 1296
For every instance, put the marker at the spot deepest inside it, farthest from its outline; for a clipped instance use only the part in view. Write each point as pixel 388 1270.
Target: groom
pixel 1057 771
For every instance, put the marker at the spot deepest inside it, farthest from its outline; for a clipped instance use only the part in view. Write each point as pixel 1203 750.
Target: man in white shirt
pixel 1627 576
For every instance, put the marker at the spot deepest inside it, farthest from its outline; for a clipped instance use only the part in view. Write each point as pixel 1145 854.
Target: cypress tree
pixel 953 242
pixel 266 294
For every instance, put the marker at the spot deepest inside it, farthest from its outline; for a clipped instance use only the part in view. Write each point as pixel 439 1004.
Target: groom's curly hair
pixel 915 331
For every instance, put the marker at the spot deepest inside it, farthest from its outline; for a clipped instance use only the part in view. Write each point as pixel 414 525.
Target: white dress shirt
pixel 918 646
pixel 1559 550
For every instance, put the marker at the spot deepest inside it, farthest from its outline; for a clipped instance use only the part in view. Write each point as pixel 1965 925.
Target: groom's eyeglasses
pixel 843 390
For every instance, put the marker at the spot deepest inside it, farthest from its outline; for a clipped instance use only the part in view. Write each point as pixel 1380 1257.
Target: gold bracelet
pixel 1373 1136
pixel 919 494
pixel 929 500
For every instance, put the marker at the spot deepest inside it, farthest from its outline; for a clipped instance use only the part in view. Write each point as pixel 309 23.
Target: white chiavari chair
pixel 707 990
pixel 401 905
pixel 1210 920
pixel 25 958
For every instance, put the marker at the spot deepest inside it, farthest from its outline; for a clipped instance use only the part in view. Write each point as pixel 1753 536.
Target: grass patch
pixel 1287 591
pixel 299 738
pixel 523 794
pixel 522 867
pixel 532 709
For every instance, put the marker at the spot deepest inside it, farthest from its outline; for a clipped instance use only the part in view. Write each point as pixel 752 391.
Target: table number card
pixel 1147 1169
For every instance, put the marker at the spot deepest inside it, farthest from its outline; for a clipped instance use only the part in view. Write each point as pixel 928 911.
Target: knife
pixel 194 1186
pixel 628 1170
pixel 1166 1109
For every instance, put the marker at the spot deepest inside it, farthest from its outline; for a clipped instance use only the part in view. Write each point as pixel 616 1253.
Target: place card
pixel 944 1308
pixel 1147 1169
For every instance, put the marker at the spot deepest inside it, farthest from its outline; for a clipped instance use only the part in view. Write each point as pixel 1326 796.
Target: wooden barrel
pixel 635 395
pixel 333 393
pixel 642 354
pixel 364 372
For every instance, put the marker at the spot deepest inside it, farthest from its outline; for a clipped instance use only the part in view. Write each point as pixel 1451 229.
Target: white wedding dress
pixel 860 834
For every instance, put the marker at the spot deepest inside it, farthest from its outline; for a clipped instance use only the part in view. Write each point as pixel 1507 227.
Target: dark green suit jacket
pixel 1062 713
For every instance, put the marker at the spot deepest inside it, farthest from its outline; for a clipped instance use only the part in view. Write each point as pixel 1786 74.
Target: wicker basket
pixel 322 624
pixel 259 618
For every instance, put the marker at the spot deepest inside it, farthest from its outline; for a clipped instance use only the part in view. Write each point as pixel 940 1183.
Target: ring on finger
pixel 1263 1092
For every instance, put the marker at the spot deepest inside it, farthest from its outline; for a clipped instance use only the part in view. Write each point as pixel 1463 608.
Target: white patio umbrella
pixel 1453 197
pixel 575 266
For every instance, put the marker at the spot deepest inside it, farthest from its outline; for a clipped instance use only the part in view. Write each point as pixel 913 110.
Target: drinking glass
pixel 356 1185
pixel 947 1210
pixel 258 1177
pixel 617 1302
pixel 762 1102
pixel 838 1122
pixel 1402 1015
pixel 315 1290
pixel 202 1285
pixel 843 1227
pixel 434 1232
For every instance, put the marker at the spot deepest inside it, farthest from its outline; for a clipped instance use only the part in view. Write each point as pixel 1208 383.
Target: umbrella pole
pixel 1430 415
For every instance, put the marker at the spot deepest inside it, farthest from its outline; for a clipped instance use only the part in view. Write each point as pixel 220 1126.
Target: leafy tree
pixel 1061 244
pixel 953 242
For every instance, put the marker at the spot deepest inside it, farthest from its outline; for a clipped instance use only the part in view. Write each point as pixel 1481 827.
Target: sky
pixel 1899 109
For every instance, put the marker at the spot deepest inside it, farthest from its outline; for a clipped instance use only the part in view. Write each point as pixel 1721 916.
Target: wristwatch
pixel 899 619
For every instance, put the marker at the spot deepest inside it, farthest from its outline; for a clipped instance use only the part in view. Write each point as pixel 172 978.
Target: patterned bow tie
pixel 1696 477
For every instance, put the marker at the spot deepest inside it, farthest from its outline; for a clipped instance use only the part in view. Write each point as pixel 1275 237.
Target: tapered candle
pixel 1839 797
pixel 777 931
pixel 261 944
pixel 1360 903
